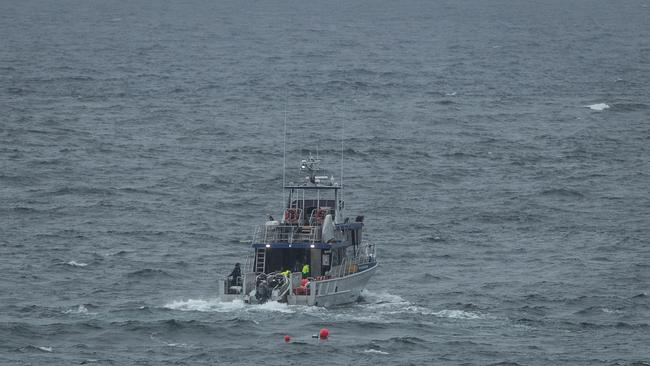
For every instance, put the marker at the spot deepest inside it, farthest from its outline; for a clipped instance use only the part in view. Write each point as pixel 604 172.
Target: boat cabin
pixel 311 232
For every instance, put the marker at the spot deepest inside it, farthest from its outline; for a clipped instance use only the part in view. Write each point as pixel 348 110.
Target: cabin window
pixel 310 205
pixel 337 256
pixel 353 236
pixel 326 258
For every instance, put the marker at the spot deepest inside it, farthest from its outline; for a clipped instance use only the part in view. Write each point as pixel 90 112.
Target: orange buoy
pixel 287 339
pixel 324 333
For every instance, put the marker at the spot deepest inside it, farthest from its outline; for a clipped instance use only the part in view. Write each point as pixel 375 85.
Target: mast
pixel 338 200
pixel 284 153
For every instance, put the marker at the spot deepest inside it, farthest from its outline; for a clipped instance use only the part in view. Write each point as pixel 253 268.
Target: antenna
pixel 284 148
pixel 342 133
pixel 341 179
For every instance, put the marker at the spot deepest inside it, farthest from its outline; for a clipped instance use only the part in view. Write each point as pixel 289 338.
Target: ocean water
pixel 499 150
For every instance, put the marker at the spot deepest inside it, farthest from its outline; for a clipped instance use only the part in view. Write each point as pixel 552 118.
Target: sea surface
pixel 499 150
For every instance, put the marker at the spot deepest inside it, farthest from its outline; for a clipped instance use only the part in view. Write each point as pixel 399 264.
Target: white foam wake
pixel 76 264
pixel 389 304
pixel 598 107
pixel 216 305
pixel 382 298
pixel 379 307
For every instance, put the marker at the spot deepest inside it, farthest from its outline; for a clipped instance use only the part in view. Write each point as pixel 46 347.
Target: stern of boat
pixel 241 290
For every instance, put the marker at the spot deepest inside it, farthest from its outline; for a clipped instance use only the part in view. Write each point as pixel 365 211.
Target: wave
pixel 407 340
pixel 148 273
pixel 76 264
pixel 81 309
pixel 216 305
pixel 169 326
pixel 431 277
pixel 458 314
pixel 167 343
pixel 595 310
pixel 562 192
pixel 80 191
pixel 38 348
pixel 433 238
pixel 592 325
pixel 598 106
pixel 388 304
pixel 611 311
pixel 629 107
pixel 376 351
pixel 382 298
pixel 120 253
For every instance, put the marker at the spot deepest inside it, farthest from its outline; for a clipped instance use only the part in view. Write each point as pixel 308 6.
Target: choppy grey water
pixel 500 151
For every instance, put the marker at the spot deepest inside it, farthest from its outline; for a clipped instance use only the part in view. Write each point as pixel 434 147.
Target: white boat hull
pixel 326 293
pixel 335 291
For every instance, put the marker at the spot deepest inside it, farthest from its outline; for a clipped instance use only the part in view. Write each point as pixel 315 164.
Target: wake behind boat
pixel 312 256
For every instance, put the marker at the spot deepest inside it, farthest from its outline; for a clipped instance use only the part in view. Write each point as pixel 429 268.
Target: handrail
pixel 349 265
pixel 266 234
pixel 286 286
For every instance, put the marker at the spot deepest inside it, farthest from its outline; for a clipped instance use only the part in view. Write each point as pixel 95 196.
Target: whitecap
pixel 610 311
pixel 45 349
pixel 76 264
pixel 181 345
pixel 457 314
pixel 376 351
pixel 598 106
pixel 81 309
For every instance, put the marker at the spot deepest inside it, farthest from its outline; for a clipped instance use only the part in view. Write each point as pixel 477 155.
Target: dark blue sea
pixel 499 151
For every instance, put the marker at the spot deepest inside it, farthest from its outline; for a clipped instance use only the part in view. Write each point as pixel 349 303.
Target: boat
pixel 312 256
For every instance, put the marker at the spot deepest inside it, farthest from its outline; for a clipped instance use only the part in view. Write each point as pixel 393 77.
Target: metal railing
pixel 365 254
pixel 267 234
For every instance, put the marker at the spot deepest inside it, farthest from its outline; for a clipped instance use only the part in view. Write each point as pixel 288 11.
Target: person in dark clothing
pixel 235 275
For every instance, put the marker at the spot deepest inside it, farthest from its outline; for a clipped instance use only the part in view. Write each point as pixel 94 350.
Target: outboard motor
pixel 263 292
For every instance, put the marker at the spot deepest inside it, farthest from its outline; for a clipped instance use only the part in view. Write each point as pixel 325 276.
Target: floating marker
pixel 324 333
pixel 287 339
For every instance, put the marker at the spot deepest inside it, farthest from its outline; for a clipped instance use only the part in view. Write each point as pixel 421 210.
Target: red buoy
pixel 324 333
pixel 287 339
